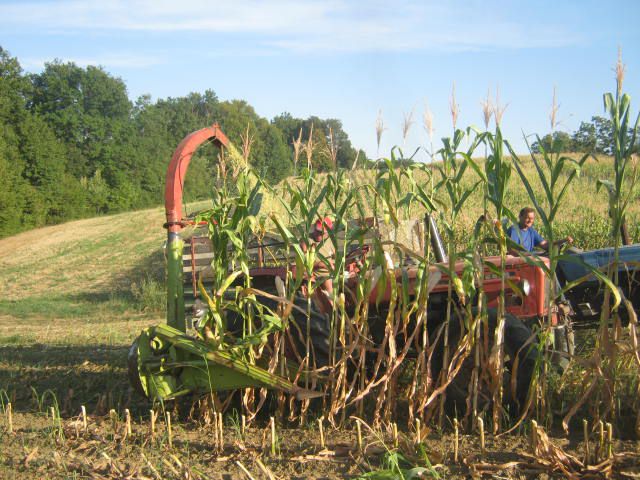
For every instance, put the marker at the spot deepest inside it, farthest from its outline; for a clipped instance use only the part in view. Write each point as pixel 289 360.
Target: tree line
pixel 73 145
pixel 595 136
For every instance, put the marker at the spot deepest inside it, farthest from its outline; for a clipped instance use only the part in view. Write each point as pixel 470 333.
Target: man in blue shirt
pixel 528 237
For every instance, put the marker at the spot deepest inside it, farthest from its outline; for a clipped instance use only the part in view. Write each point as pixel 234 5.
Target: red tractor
pixel 168 361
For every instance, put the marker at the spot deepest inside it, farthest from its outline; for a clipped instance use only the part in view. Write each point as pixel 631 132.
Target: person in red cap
pixel 320 239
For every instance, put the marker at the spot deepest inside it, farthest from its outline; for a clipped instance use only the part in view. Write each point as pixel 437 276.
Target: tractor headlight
pixel 525 286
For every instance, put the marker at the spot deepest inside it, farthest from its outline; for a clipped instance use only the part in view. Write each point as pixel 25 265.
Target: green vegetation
pixel 365 365
pixel 594 136
pixel 73 145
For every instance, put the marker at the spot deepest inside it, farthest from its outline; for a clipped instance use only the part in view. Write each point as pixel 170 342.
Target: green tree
pixel 585 139
pixel 288 126
pixel 97 192
pixel 15 191
pixel 275 163
pixel 13 87
pixel 72 143
pixel 12 199
pixel 557 142
pixel 604 134
pixel 87 109
pixel 44 159
pixel 346 154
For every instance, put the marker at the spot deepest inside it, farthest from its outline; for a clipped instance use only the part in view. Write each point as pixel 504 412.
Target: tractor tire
pixel 319 327
pixel 517 341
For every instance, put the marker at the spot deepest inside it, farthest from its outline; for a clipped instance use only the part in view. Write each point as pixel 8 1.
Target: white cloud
pixel 306 25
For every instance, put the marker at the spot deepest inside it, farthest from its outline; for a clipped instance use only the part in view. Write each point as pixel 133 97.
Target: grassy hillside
pixel 80 281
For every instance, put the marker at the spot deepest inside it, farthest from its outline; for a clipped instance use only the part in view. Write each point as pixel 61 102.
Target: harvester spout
pixel 168 361
pixel 178 169
pixel 173 207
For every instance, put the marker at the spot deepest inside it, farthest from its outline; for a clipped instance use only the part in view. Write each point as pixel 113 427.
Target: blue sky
pixel 348 59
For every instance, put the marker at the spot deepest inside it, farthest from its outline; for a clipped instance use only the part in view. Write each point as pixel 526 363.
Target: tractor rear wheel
pixel 319 328
pixel 519 342
pixel 296 344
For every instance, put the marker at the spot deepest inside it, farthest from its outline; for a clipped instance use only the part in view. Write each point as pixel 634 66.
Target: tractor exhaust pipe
pixel 437 245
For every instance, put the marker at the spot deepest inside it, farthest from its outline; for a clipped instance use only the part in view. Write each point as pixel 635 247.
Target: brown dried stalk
pixel 487 110
pixel 297 150
pixel 456 441
pixel 585 432
pixel 169 430
pixel 247 139
pixel 379 129
pixel 83 413
pixel 620 71
pixel 554 111
pixel 407 122
pixel 264 469
pixel 113 416
pixel 554 457
pixel 221 430
pixel 332 150
pixel 244 470
pixel 427 121
pixel 321 430
pixel 272 423
pixel 221 165
pixel 127 418
pixel 498 108
pixel 152 419
pixel 453 106
pixel 9 417
pixel 355 161
pixel 309 147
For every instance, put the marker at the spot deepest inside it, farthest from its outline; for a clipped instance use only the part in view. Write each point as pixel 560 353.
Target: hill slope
pixel 58 282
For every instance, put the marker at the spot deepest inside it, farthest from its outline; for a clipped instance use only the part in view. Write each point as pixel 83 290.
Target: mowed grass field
pixel 74 296
pixel 76 283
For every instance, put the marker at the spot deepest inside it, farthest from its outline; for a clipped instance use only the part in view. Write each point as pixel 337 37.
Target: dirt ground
pixel 37 377
pixel 38 448
pixel 85 368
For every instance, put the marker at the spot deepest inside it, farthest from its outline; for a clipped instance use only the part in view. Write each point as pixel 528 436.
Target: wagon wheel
pixel 519 342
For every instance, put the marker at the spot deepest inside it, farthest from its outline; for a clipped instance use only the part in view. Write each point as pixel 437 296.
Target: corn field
pixel 387 363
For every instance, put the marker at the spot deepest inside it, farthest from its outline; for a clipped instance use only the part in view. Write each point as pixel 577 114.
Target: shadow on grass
pixel 93 375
